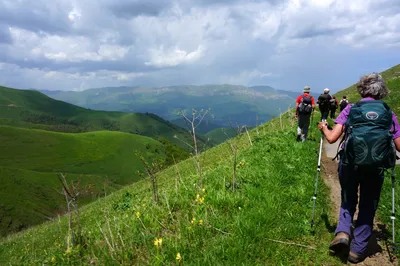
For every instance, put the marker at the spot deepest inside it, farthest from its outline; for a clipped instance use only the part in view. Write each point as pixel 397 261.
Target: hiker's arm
pixel 397 143
pixel 331 135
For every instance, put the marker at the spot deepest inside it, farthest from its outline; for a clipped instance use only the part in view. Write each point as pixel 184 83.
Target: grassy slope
pixel 392 78
pixel 36 110
pixel 271 202
pixel 31 159
pixel 217 135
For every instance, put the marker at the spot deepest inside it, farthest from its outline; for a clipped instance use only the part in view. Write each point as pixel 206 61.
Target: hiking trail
pixel 379 249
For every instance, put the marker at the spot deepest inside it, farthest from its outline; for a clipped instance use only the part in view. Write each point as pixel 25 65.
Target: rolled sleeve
pixel 395 127
pixel 342 118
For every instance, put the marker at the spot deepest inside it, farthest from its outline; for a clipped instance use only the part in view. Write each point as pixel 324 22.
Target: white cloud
pixel 173 57
pixel 96 42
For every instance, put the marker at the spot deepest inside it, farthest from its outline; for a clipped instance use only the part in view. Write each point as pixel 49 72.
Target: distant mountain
pixel 228 103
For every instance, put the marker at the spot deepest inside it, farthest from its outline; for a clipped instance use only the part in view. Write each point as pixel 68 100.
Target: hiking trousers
pixel 324 114
pixel 370 182
pixel 333 111
pixel 303 125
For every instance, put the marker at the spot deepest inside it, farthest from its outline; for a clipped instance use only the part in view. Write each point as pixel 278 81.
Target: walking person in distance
pixel 324 104
pixel 363 161
pixel 343 103
pixel 304 107
pixel 333 106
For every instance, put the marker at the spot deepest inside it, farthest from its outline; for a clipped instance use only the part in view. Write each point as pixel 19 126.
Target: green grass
pixel 32 109
pixel 30 161
pixel 272 201
pixel 220 135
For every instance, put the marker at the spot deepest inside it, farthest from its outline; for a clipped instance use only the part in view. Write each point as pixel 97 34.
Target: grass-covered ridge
pixel 213 226
pixel 30 161
pixel 32 109
pixel 392 79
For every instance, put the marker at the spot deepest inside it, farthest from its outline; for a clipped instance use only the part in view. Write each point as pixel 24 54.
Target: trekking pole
pixel 393 217
pixel 316 179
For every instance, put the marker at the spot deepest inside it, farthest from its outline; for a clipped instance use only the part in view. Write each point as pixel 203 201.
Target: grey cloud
pixel 5 36
pixel 133 8
pixel 35 16
pixel 315 31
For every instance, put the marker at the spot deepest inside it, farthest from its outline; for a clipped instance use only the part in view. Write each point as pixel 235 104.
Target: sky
pixel 76 44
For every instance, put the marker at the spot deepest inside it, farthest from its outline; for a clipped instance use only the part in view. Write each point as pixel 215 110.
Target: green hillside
pixel 392 79
pixel 229 103
pixel 220 135
pixel 262 220
pixel 214 226
pixel 30 161
pixel 32 109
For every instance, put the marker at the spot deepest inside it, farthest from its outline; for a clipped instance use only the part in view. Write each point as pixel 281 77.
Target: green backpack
pixel 368 136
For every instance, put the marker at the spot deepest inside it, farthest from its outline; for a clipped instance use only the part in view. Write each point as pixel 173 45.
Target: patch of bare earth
pixel 379 249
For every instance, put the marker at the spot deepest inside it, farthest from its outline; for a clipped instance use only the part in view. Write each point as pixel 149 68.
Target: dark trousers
pixel 333 111
pixel 303 125
pixel 324 114
pixel 370 182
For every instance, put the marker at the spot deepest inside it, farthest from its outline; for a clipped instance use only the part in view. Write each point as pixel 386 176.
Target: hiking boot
pixel 354 258
pixel 298 137
pixel 340 243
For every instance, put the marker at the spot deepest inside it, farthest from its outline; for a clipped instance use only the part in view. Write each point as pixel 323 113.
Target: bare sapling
pixel 234 149
pixel 248 135
pixel 151 170
pixel 257 124
pixel 193 122
pixel 72 193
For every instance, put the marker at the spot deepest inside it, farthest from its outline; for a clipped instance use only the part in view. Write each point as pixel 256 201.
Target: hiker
pixel 343 103
pixel 333 106
pixel 375 117
pixel 304 107
pixel 324 104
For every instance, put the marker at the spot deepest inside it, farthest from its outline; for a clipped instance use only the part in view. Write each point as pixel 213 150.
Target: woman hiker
pixel 375 114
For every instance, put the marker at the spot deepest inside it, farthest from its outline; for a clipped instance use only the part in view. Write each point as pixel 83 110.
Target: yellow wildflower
pixel 53 259
pixel 137 214
pixel 158 242
pixel 193 220
pixel 178 257
pixel 203 190
pixel 201 200
pixel 200 222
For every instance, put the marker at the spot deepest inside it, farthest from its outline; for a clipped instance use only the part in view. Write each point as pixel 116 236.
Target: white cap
pixel 326 90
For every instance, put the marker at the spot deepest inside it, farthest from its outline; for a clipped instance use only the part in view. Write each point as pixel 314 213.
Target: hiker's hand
pixel 321 125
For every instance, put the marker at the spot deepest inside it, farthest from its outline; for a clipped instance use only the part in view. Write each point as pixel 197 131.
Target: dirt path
pixel 379 249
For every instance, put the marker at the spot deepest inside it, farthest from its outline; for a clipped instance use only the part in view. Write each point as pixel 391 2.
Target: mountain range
pixel 228 103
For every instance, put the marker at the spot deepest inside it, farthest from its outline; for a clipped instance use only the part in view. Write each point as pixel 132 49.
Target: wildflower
pixel 53 259
pixel 200 222
pixel 137 214
pixel 203 190
pixel 178 257
pixel 193 220
pixel 158 242
pixel 201 200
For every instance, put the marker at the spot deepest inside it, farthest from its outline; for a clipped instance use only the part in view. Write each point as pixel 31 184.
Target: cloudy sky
pixel 80 44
